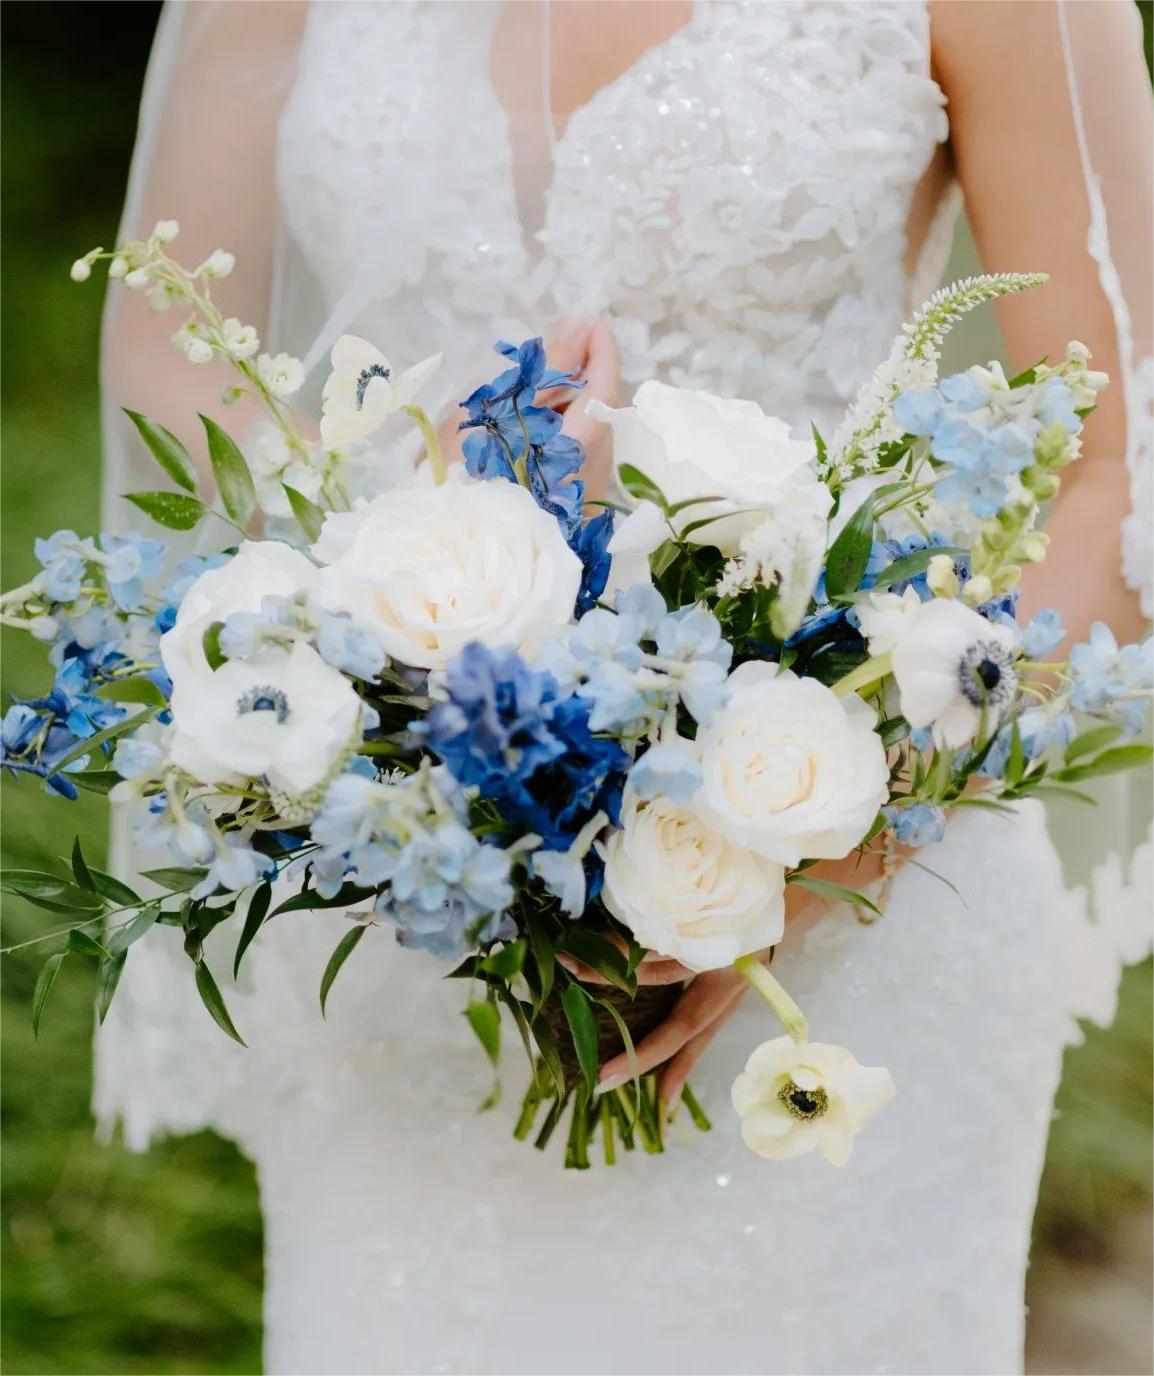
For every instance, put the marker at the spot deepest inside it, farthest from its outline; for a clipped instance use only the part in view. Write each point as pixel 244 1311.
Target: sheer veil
pixel 207 153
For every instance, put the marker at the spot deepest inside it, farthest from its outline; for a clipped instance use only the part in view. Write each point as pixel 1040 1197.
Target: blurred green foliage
pixel 115 1263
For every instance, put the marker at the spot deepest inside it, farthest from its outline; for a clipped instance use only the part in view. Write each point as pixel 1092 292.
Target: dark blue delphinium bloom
pixel 591 545
pixel 508 731
pixel 513 438
pixel 503 417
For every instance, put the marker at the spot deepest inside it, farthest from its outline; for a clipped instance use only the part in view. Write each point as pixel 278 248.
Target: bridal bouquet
pixel 541 736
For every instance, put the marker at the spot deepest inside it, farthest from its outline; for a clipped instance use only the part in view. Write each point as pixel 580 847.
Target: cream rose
pixel 790 769
pixel 685 890
pixel 259 569
pixel 692 444
pixel 430 569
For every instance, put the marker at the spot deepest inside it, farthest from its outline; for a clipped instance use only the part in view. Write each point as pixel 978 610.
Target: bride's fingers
pixel 602 378
pixel 679 1069
pixel 702 1003
pixel 567 350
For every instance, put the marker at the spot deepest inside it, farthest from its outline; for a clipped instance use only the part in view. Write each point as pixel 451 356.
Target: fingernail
pixel 610 1082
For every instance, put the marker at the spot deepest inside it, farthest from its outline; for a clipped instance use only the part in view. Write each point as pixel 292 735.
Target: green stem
pixel 788 1013
pixel 605 1114
pixel 871 671
pixel 432 442
pixel 696 1112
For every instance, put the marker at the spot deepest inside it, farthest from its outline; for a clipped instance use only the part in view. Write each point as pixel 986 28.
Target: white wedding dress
pixel 737 201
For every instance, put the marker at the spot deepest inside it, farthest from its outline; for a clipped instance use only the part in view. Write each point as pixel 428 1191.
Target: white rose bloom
pixel 692 444
pixel 259 569
pixel 362 390
pixel 686 891
pixel 882 616
pixel 790 769
pixel 430 569
pixel 951 665
pixel 287 718
pixel 796 1098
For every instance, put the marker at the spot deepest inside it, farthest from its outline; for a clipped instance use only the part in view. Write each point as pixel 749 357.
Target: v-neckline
pixel 551 141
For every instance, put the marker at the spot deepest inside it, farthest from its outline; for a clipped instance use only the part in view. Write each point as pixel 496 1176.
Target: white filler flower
pixel 693 444
pixel 285 718
pixel 686 891
pixel 790 769
pixel 259 569
pixel 362 390
pixel 430 569
pixel 795 1098
pixel 952 666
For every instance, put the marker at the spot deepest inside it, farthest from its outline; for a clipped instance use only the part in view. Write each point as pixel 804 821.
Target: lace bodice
pixel 737 200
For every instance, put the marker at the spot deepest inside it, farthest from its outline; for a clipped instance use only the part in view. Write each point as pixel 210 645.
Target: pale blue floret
pixel 234 867
pixel 137 759
pixel 668 770
pixel 350 646
pixel 1112 681
pixel 919 825
pixel 1043 635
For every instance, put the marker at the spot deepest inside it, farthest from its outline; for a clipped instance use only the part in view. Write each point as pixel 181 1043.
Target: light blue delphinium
pixel 128 561
pixel 137 759
pixel 919 825
pixel 235 865
pixel 669 769
pixel 1041 729
pixel 64 557
pixel 1110 681
pixel 350 646
pixel 1043 635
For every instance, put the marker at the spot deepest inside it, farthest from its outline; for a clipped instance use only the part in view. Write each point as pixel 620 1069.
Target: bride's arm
pixel 1013 139
pixel 1015 146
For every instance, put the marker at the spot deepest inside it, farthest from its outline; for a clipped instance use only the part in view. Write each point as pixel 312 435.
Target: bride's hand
pixel 588 349
pixel 681 1040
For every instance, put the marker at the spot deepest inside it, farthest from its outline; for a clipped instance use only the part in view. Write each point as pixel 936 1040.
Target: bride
pixel 746 197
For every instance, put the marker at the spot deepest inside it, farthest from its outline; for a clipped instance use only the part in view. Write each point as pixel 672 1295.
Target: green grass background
pixel 114 1263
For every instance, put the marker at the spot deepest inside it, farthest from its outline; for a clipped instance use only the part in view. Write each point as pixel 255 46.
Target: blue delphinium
pixel 345 643
pixel 512 733
pixel 511 437
pixel 1043 635
pixel 1040 730
pixel 124 561
pixel 444 889
pixel 921 824
pixel 1112 682
pixel 985 431
pixel 668 769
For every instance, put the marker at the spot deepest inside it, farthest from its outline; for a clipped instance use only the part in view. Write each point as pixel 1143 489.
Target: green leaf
pixel 308 515
pixel 110 733
pixel 95 780
pixel 506 963
pixel 110 887
pixel 211 997
pixel 210 644
pixel 849 554
pixel 826 889
pixel 600 954
pixel 44 982
pixel 166 449
pixel 345 948
pixel 485 1020
pixel 678 507
pixel 107 978
pixel 257 910
pixel 818 445
pixel 75 903
pixel 910 565
pixel 32 883
pixel 81 944
pixel 169 509
pixel 233 479
pixel 1090 742
pixel 544 956
pixel 174 879
pixel 1113 761
pixel 123 937
pixel 309 900
pixel 136 689
pixel 638 485
pixel 583 1026
pixel 80 869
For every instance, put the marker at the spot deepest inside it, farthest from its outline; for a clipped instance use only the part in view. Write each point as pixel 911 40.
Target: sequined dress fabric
pixel 737 201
